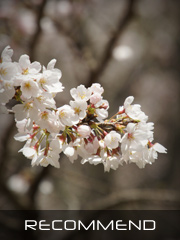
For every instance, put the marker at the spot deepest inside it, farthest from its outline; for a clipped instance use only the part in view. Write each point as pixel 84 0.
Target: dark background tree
pixel 132 48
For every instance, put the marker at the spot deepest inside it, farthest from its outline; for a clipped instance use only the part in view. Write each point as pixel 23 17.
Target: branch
pixel 39 177
pixel 95 74
pixel 67 34
pixel 120 198
pixel 34 40
pixel 34 186
pixel 4 145
pixel 25 203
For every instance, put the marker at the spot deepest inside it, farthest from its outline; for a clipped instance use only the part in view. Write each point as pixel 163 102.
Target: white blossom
pixel 26 67
pixel 79 129
pixel 79 108
pixel 92 147
pixel 152 152
pixel 112 139
pixel 81 93
pixel 97 88
pixel 29 88
pixel 48 120
pixel 25 110
pixel 67 116
pixel 95 98
pixel 134 111
pixel 133 139
pixel 49 80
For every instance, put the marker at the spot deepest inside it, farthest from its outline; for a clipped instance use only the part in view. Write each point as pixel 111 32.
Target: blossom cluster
pixel 80 128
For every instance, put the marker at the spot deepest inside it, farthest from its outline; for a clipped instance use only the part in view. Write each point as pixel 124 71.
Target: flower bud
pixel 95 98
pixel 84 131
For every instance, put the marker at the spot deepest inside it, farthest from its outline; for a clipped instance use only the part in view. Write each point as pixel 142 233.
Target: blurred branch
pixel 133 75
pixel 13 198
pixel 120 198
pixel 35 38
pixel 35 185
pixel 68 35
pixel 4 145
pixel 3 161
pixel 29 203
pixel 77 42
pixel 32 46
pixel 78 49
pixel 95 74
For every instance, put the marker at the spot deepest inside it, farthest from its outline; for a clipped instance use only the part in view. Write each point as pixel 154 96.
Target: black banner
pixel 88 225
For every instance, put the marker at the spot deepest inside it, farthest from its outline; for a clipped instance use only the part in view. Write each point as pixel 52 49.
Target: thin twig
pixel 95 74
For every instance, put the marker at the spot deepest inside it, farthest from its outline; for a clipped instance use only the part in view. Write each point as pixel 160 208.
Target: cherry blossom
pixel 80 129
pixel 112 139
pixel 81 93
pixel 84 131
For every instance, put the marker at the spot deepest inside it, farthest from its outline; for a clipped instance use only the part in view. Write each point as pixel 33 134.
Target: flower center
pixel 3 71
pixel 82 96
pixel 77 110
pixel 130 136
pixel 25 71
pixel 44 115
pixel 42 81
pixel 27 85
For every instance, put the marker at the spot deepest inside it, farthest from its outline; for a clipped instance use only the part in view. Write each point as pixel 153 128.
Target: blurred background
pixel 131 47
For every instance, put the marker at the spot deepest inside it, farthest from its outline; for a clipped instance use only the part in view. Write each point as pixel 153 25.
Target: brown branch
pixel 39 177
pixel 76 45
pixel 95 74
pixel 34 186
pixel 124 197
pixel 35 38
pixel 29 202
pixel 13 198
pixel 4 145
pixel 3 161
pixel 68 35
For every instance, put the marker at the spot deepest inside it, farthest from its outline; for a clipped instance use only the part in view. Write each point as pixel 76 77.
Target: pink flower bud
pixel 84 131
pixel 95 98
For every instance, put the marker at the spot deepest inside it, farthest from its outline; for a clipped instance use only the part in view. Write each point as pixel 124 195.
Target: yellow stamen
pixel 25 71
pixel 42 81
pixel 44 115
pixel 27 106
pixel 3 71
pixel 27 85
pixel 81 96
pixel 77 110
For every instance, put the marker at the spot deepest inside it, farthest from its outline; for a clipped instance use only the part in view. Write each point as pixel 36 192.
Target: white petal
pixel 21 137
pixel 159 148
pixel 130 127
pixel 7 54
pixel 128 101
pixel 69 151
pixel 6 95
pixel 51 64
pixel 102 114
pixel 28 152
pixel 35 67
pixel 24 61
